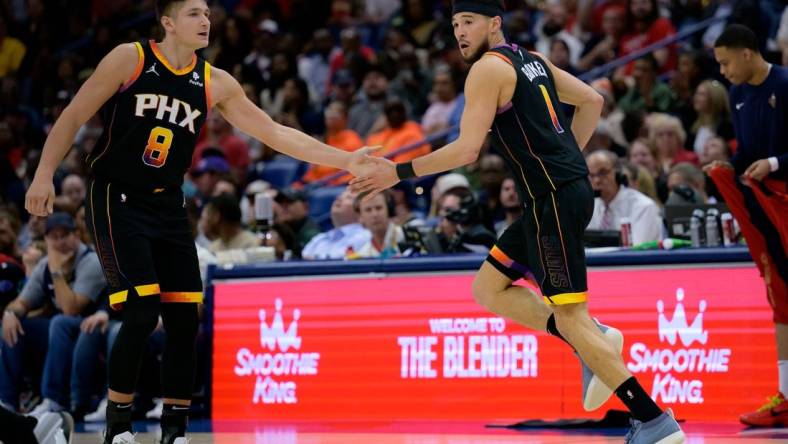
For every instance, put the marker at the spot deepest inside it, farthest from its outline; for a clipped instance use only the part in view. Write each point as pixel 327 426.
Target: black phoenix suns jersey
pixel 151 124
pixel 531 132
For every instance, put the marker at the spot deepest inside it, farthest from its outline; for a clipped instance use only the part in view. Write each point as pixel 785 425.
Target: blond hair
pixel 658 121
pixel 719 108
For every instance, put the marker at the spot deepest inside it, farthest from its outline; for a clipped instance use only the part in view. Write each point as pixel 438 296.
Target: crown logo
pixel 678 326
pixel 275 334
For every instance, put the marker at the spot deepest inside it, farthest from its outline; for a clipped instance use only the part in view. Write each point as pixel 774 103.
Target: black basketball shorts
pixel 144 242
pixel 545 245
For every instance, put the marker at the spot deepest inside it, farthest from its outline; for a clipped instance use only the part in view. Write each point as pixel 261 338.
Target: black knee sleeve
pixel 139 320
pixel 180 326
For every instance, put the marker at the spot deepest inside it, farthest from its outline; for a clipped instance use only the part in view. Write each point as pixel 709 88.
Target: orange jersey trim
pixel 208 98
pixel 178 72
pixel 138 71
pixel 500 56
pixel 182 296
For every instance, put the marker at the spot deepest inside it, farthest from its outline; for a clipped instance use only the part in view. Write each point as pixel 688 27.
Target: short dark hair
pixel 228 207
pixel 737 37
pixel 163 7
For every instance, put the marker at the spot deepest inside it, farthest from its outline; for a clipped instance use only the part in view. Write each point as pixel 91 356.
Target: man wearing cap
pixel 69 278
pixel 292 210
pixel 367 110
pixel 209 171
pixel 515 95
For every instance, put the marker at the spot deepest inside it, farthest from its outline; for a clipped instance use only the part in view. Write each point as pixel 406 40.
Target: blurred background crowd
pixel 366 72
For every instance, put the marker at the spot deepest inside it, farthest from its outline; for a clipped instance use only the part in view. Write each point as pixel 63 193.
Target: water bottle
pixel 712 228
pixel 696 231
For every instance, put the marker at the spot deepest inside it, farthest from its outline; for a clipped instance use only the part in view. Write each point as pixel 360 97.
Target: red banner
pixel 418 347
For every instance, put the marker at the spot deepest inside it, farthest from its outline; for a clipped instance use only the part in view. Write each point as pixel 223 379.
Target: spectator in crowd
pixel 644 154
pixel 492 171
pixel 444 184
pixel 209 171
pixel 411 83
pixel 648 93
pixel 375 215
pixel 641 180
pixel 471 236
pixel 668 136
pixel 69 279
pixel 603 48
pixel 221 223
pixel 415 18
pixel 552 27
pixel 448 202
pixel 73 187
pixel 342 88
pixel 510 202
pixel 338 135
pixel 283 240
pixel 32 231
pixel 716 148
pixel 296 109
pixel 559 56
pixel 398 133
pixel 617 201
pixel 368 107
pixel 313 66
pixel 686 184
pixel 353 55
pixel 9 227
pixel 293 211
pixel 444 101
pixel 714 115
pixel 219 134
pixel 347 234
pixel 644 27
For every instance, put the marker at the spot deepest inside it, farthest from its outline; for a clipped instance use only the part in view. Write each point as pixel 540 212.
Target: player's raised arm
pixel 115 69
pixel 588 103
pixel 231 101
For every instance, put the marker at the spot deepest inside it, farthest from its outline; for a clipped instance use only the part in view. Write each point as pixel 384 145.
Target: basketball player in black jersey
pixel 514 95
pixel 155 97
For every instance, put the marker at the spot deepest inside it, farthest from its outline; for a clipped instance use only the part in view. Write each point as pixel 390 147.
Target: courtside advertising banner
pixel 418 347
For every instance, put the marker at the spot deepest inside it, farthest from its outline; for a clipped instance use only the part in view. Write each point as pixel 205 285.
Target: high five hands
pixel 375 174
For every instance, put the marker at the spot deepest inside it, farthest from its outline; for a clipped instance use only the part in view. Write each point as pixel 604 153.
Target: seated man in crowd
pixel 375 215
pixel 292 209
pixel 346 234
pixel 686 184
pixel 617 201
pixel 220 221
pixel 70 280
pixel 399 132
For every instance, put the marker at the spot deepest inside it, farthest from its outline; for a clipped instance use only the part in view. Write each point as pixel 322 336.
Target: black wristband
pixel 405 170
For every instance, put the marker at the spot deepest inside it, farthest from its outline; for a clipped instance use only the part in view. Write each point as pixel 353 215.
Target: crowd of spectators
pixel 352 73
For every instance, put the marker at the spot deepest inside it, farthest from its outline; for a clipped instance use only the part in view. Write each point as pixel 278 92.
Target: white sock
pixel 782 371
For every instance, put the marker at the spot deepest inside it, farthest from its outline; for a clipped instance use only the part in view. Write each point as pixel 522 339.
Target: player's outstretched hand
pixel 360 164
pixel 381 174
pixel 40 198
pixel 716 164
pixel 758 170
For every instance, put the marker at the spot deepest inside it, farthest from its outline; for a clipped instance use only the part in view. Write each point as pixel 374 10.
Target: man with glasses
pixel 614 200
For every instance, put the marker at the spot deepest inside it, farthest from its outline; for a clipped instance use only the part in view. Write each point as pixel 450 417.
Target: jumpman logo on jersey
pixel 152 69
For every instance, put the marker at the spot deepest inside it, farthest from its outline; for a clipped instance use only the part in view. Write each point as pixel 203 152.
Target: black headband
pixel 488 8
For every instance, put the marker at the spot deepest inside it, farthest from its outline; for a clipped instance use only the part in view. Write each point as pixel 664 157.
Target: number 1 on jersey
pixel 550 109
pixel 158 147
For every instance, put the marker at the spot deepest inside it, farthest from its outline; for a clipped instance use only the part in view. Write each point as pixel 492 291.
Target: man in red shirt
pixel 647 27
